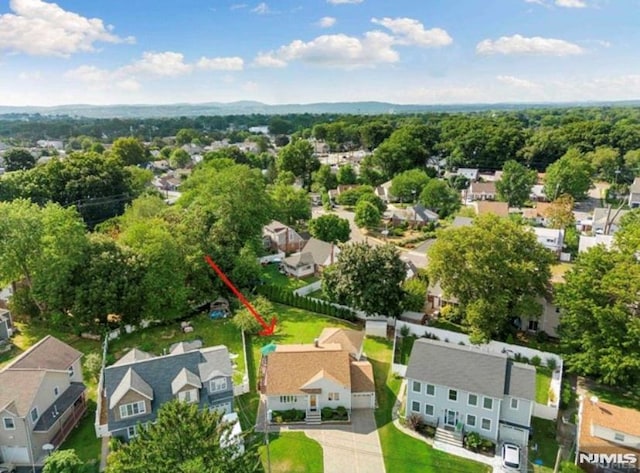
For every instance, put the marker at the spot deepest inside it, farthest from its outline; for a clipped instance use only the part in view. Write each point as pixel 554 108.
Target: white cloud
pixel 261 9
pixel 45 29
pixel 88 74
pixel 411 32
pixel 167 63
pixel 220 63
pixel 129 85
pixel 344 2
pixel 238 6
pixel 326 22
pixel 521 45
pixel 35 75
pixel 571 3
pixel 517 82
pixel 337 50
pixel 539 2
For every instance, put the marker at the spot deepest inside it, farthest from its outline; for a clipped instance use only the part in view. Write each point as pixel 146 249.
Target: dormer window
pixel 132 409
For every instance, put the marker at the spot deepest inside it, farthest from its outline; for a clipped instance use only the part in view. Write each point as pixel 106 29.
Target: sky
pixel 305 51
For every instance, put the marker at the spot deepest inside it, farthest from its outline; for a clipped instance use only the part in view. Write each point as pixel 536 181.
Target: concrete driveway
pixel 353 448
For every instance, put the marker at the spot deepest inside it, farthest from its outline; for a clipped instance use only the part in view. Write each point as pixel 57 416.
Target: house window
pixel 334 396
pixel 533 325
pixel 223 407
pixel 471 420
pixel 415 406
pixel 618 437
pixel 472 400
pixel 417 386
pixel 56 391
pixel 288 399
pixel 132 409
pixel 514 403
pixel 486 424
pixel 430 390
pixel 218 384
pixel 34 414
pixel 487 403
pixel 70 370
pixel 9 423
pixel 189 396
pixel 428 410
pixel 453 395
pixel 132 431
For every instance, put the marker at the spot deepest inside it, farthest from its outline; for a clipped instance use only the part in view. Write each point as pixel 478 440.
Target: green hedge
pixel 291 415
pixel 284 296
pixel 339 413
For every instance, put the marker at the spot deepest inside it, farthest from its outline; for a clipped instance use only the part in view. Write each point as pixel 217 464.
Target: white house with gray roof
pixel 138 384
pixel 461 389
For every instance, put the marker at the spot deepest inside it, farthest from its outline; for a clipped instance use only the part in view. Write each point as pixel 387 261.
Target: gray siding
pixel 520 416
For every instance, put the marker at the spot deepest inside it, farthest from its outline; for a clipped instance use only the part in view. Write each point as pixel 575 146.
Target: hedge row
pixel 291 415
pixel 283 296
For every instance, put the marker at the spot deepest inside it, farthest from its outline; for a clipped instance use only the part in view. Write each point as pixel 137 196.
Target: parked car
pixel 7 468
pixel 510 457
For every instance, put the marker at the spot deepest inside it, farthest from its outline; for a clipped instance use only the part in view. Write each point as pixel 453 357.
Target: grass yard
pixel 403 349
pixel 293 452
pixel 543 383
pixel 629 397
pixel 157 339
pixel 544 437
pixel 271 275
pixel 83 439
pixel 401 452
pixel 319 294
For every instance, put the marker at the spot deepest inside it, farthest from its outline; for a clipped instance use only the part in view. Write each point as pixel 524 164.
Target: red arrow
pixel 267 329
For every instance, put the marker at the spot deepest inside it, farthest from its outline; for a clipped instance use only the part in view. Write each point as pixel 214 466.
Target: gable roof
pixel 601 214
pixel 133 356
pixel 520 380
pixel 469 369
pixel 299 259
pixel 501 209
pixel 349 340
pixel 289 371
pixel 49 353
pixel 19 389
pixel 131 381
pixel 482 188
pixel 185 378
pixel 362 377
pixel 320 250
pixel 619 419
pixel 275 227
pixel 183 347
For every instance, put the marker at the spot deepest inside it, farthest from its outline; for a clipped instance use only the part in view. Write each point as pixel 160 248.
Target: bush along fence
pixel 283 296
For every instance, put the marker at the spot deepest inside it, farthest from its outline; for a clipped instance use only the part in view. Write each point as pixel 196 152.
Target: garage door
pixel 18 455
pixel 362 401
pixel 512 434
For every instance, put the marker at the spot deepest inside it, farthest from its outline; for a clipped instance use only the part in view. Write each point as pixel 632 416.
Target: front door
pixel 313 402
pixel 450 418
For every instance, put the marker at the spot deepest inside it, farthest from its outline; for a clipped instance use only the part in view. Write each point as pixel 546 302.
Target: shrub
pixel 326 413
pixel 473 441
pixel 404 331
pixel 341 411
pixel 552 364
pixel 542 336
pixel 414 422
pixel 536 361
pixel 566 395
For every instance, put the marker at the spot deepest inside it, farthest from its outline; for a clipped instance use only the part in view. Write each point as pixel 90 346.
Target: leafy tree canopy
pixel 330 228
pixel 515 185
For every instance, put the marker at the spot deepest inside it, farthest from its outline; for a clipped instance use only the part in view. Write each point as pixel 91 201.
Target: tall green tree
pixel 63 461
pixel 440 197
pixel 324 178
pixel 571 174
pixel 291 205
pixel 515 185
pixel 368 278
pixel 408 147
pixel 346 175
pixel 185 438
pixel 17 159
pixel 298 158
pixel 330 228
pixel 179 158
pixel 408 185
pixel 129 150
pixel 367 215
pixel 495 268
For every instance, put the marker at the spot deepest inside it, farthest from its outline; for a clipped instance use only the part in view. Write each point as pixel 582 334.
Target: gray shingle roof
pixel 130 381
pixel 133 356
pixel 520 381
pixel 457 366
pixel 185 378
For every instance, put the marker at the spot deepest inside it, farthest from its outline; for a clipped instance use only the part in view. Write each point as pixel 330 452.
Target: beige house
pixel 312 259
pixel 481 191
pixel 327 373
pixel 278 236
pixel 42 398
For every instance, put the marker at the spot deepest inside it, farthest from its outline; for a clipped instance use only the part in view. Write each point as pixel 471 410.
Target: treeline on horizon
pixel 536 137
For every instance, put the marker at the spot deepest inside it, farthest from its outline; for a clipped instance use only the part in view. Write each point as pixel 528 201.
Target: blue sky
pixel 302 51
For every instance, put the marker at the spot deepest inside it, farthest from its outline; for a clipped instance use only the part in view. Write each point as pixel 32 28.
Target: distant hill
pixel 250 108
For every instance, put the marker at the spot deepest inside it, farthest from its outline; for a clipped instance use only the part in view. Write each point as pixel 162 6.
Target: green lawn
pixel 544 436
pixel 271 275
pixel 401 452
pixel 627 397
pixel 83 439
pixel 293 452
pixel 543 383
pixel 319 294
pixel 403 349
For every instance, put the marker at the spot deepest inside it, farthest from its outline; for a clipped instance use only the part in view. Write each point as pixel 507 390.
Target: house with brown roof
pixel 278 236
pixel 42 398
pixel 607 429
pixel 327 373
pixel 312 259
pixel 501 209
pixel 481 191
pixel 537 215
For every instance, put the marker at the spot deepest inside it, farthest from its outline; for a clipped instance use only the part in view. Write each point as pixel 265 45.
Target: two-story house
pixel 138 384
pixel 551 238
pixel 42 398
pixel 463 389
pixel 312 259
pixel 608 429
pixel 278 236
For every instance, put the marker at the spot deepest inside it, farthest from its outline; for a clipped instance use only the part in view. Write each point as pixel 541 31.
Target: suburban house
pixel 634 193
pixel 605 429
pixel 587 242
pixel 460 389
pixel 415 216
pixel 327 373
pixel 42 398
pixel 437 299
pixel 481 191
pixel 469 173
pixel 334 193
pixel 384 192
pixel 551 238
pixel 278 236
pixel 537 193
pixel 606 221
pixel 312 259
pixel 538 214
pixel 138 384
pixel 6 327
pixel 501 209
